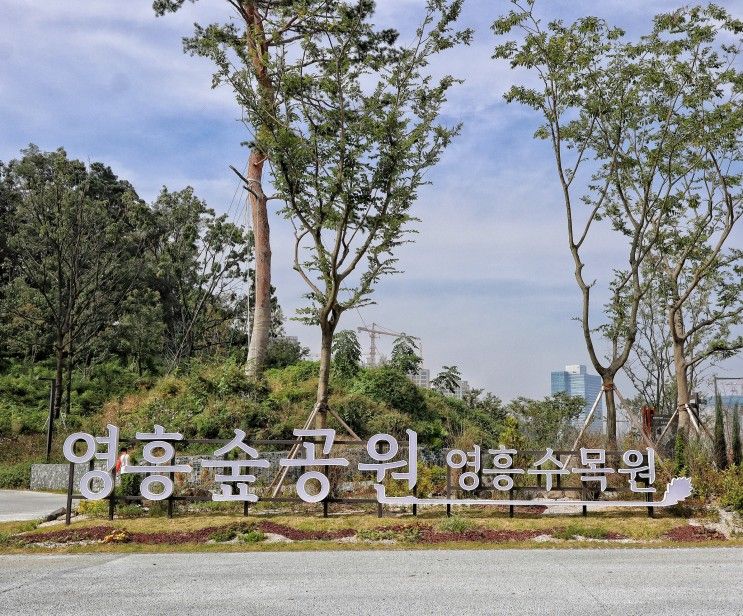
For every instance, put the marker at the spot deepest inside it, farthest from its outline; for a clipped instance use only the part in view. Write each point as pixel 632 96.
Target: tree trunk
pixel 676 322
pixel 261 325
pixel 58 377
pixel 611 409
pixel 323 384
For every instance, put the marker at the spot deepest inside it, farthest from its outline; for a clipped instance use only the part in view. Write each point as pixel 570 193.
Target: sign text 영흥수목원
pixel 493 469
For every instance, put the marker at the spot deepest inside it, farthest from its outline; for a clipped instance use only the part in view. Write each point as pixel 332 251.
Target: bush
pixel 129 511
pixel 15 476
pixel 252 536
pixel 389 385
pixel 732 488
pixel 93 508
pixel 129 485
pixel 577 530
pixel 455 524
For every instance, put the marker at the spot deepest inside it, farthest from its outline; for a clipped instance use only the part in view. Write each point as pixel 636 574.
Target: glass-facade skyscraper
pixel 575 381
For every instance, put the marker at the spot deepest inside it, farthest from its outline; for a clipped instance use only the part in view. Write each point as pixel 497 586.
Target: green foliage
pixel 15 475
pixel 93 508
pixel 447 380
pixel 252 536
pixel 223 535
pixel 283 352
pixel 131 510
pixel 720 446
pixel 571 531
pixel 407 534
pixel 544 423
pixel 405 355
pixel 346 354
pixel 431 480
pixel 130 482
pixel 736 445
pixel 456 524
pixel 732 488
pixel 679 455
pixel 389 385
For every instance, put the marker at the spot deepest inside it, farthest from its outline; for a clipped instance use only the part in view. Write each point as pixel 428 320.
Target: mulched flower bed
pixel 305 535
pixel 693 533
pixel 428 534
pixel 91 533
pixel 418 533
pixel 202 535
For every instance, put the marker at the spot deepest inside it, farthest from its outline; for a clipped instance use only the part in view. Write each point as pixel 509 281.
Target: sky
pixel 488 283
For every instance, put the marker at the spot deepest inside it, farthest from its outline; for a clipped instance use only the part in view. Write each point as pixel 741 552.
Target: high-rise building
pixel 422 378
pixel 575 381
pixel 463 388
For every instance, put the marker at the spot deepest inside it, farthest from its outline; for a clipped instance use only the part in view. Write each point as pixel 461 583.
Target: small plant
pixel 576 530
pixel 732 488
pixel 129 511
pixel 252 536
pixel 456 524
pixel 223 535
pixel 404 534
pixel 93 508
pixel 373 534
pixel 5 538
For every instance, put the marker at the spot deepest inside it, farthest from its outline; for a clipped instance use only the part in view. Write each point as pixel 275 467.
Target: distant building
pixel 575 381
pixel 463 388
pixel 422 378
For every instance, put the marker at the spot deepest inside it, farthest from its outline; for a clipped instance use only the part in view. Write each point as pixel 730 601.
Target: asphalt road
pixel 26 505
pixel 617 581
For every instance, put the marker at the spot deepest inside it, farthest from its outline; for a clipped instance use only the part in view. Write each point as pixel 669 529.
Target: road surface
pixel 24 505
pixel 611 581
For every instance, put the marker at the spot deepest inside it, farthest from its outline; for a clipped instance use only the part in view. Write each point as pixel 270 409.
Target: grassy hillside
pixel 209 400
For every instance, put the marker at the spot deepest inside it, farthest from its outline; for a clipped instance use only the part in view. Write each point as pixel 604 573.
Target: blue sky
pixel 488 284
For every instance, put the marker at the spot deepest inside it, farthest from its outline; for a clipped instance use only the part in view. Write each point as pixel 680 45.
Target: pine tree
pixel 679 454
pixel 720 446
pixel 736 440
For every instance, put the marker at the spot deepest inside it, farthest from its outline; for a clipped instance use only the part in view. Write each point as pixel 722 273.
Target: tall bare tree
pixel 640 124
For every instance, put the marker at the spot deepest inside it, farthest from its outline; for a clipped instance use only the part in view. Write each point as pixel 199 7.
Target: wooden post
pixel 448 490
pixel 415 493
pixel 511 509
pixel 112 496
pixel 170 498
pixel 325 500
pixel 70 486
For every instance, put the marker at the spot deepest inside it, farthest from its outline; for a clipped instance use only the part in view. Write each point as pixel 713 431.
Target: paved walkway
pixel 624 582
pixel 24 505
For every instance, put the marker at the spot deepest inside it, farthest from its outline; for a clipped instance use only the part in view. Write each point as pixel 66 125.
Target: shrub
pixel 572 531
pixel 130 483
pixel 732 488
pixel 389 385
pixel 129 511
pixel 15 475
pixel 455 524
pixel 431 481
pixel 93 508
pixel 252 536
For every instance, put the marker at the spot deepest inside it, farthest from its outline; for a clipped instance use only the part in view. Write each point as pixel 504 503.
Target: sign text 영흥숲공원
pixel 491 469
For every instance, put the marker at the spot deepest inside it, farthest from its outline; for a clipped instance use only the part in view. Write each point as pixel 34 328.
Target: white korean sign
pixel 491 469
